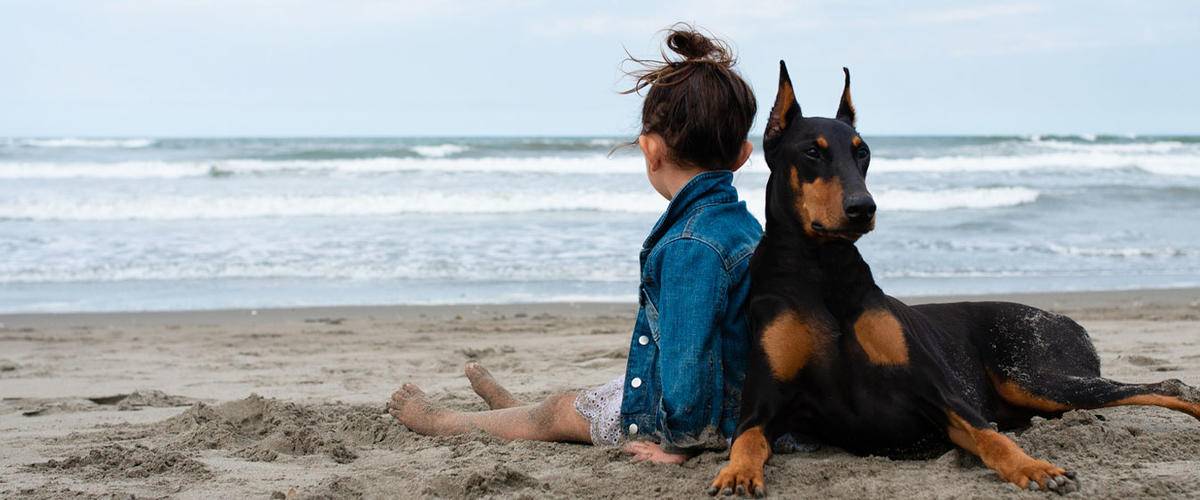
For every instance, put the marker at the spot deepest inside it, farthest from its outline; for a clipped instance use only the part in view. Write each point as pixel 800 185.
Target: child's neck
pixel 674 178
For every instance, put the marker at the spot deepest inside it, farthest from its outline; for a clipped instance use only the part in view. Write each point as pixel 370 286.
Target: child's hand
pixel 646 451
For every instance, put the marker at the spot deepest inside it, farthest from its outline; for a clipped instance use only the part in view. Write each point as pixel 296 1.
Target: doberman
pixel 836 359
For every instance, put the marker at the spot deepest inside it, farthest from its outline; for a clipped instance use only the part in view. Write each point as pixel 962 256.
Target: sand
pixel 289 403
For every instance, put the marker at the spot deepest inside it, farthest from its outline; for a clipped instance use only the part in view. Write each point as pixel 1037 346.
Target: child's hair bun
pixel 685 40
pixel 695 100
pixel 694 46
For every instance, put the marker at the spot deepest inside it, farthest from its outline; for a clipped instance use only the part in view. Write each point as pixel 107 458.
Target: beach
pixel 289 403
pixel 231 231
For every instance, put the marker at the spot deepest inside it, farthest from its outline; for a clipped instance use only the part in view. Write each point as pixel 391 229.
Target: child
pixel 681 389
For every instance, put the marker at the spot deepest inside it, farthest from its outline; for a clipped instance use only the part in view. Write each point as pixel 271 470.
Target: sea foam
pixel 443 202
pixel 974 198
pixel 440 150
pixel 1175 165
pixel 598 165
pixel 1168 165
pixel 429 202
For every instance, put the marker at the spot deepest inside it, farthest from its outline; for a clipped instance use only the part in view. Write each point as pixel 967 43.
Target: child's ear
pixel 652 148
pixel 747 148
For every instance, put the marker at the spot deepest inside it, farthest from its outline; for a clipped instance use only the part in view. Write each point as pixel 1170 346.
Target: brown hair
pixel 701 107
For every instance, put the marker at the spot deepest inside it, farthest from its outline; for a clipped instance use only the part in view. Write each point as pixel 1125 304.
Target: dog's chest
pixel 863 414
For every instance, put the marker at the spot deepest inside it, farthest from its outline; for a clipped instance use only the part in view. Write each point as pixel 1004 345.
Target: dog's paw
pixel 1039 475
pixel 744 481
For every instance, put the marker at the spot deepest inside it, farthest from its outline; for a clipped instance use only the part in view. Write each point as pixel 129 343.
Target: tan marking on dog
pixel 817 201
pixel 881 337
pixel 794 180
pixel 1169 402
pixel 963 439
pixel 821 201
pixel 822 143
pixel 856 141
pixel 1000 453
pixel 785 98
pixel 789 344
pixel 848 100
pixel 1016 395
pixel 747 457
pixel 797 195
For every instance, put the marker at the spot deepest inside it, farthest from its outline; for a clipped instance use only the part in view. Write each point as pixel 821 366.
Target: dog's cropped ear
pixel 785 109
pixel 845 111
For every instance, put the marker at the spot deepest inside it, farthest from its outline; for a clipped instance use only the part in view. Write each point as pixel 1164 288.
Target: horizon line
pixel 1082 135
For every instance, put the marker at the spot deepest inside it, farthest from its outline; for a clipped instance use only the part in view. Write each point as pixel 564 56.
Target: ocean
pixel 131 224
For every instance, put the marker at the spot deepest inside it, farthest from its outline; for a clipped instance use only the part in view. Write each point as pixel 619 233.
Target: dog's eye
pixel 863 153
pixel 813 153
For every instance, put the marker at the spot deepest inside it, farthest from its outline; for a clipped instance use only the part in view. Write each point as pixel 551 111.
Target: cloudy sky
pixel 375 67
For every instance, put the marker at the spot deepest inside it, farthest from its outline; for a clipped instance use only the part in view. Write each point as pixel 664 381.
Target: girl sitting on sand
pixel 681 389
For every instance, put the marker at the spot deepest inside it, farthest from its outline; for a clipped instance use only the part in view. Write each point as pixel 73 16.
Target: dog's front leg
pixel 783 346
pixel 761 399
pixel 972 433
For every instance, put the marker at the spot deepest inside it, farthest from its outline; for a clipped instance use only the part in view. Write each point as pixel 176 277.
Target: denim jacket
pixel 687 358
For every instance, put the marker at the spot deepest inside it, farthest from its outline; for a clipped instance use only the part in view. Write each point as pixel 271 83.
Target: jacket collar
pixel 706 188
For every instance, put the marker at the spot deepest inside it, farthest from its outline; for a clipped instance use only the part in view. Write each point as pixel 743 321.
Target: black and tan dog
pixel 835 358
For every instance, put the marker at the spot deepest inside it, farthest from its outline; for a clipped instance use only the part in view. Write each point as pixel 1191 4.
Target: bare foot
pixel 486 386
pixel 410 406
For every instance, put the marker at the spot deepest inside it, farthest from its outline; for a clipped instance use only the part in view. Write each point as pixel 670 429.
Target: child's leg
pixel 554 419
pixel 486 386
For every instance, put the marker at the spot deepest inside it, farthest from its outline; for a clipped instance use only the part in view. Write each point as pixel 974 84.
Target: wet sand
pixel 290 402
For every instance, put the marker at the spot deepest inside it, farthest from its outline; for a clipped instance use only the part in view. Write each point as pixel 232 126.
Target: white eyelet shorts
pixel 601 406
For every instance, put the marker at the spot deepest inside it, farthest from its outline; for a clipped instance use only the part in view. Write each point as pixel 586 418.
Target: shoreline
pixel 1078 302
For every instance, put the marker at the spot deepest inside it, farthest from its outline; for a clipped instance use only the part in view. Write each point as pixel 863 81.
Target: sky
pixel 528 67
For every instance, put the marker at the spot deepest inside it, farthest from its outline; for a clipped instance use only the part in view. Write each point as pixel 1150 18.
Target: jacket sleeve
pixel 693 295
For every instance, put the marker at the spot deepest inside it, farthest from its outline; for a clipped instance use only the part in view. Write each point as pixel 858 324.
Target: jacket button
pixel 633 428
pixel 636 382
pixel 643 340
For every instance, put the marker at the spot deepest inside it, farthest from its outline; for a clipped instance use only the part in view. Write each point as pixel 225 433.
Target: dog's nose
pixel 860 208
